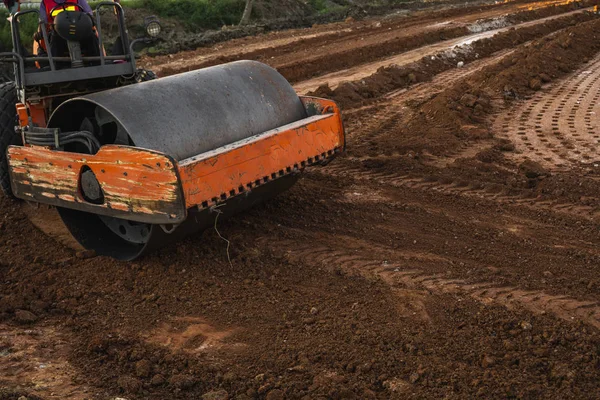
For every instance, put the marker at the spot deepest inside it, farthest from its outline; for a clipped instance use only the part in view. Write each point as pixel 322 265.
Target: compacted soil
pixel 451 252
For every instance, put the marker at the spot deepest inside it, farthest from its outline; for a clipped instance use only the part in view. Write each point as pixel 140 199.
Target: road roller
pixel 132 163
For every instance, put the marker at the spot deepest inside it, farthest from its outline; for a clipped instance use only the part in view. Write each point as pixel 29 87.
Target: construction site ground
pixel 452 252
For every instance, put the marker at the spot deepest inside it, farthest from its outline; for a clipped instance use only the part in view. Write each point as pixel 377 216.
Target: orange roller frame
pixel 148 186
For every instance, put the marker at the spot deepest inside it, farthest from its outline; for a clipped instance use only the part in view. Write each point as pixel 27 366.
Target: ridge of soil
pixel 180 40
pixel 459 117
pixel 323 62
pixel 388 79
pixel 465 105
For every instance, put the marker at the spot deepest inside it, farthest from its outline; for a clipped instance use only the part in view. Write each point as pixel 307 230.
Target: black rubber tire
pixel 8 136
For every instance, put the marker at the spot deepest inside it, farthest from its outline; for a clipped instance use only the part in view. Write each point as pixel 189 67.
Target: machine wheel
pixel 8 117
pixel 193 114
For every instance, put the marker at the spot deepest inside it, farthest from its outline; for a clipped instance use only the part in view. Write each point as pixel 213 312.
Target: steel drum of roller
pixel 183 116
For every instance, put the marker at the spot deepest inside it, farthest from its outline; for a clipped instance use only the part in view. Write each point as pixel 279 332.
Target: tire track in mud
pixel 393 273
pixel 464 189
pixel 558 127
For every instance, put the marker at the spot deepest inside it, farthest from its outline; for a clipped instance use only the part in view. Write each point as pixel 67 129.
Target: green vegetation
pixel 5 38
pixel 124 3
pixel 193 15
pixel 318 5
pixel 28 25
pixel 199 15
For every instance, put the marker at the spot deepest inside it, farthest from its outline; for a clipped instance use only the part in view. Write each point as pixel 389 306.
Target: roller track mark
pixel 462 188
pixel 511 297
pixel 558 127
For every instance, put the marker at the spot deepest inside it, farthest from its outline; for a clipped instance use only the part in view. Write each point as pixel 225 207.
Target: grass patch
pixel 318 5
pixel 124 3
pixel 199 15
pixel 28 26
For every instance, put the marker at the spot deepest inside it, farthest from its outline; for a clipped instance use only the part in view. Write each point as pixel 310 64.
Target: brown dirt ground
pixel 433 260
pixel 335 46
pixel 395 77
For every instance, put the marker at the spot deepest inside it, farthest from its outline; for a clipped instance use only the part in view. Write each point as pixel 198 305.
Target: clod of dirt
pixel 396 386
pixel 25 317
pixel 157 380
pixel 143 368
pixel 565 44
pixel 182 381
pixel 38 307
pixel 509 93
pixel 545 77
pixel 535 84
pixel 7 394
pixel 526 326
pixel 275 395
pixel 468 100
pixel 85 254
pixel 489 156
pixel 216 395
pixel 129 384
pixel 505 145
pixel 532 169
pixel 488 361
pixel 414 377
pixel 475 132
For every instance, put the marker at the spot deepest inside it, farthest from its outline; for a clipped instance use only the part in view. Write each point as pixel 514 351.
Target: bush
pixel 199 14
pixel 28 25
pixel 318 5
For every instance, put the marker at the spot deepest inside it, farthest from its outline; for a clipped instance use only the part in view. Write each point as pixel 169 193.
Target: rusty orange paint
pixel 225 171
pixel 38 114
pixel 36 49
pixel 22 113
pixel 325 106
pixel 148 186
pixel 137 184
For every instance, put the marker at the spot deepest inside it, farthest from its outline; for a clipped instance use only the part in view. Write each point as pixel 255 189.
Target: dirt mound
pixel 323 63
pixel 392 78
pixel 551 57
pixel 458 118
pixel 544 12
